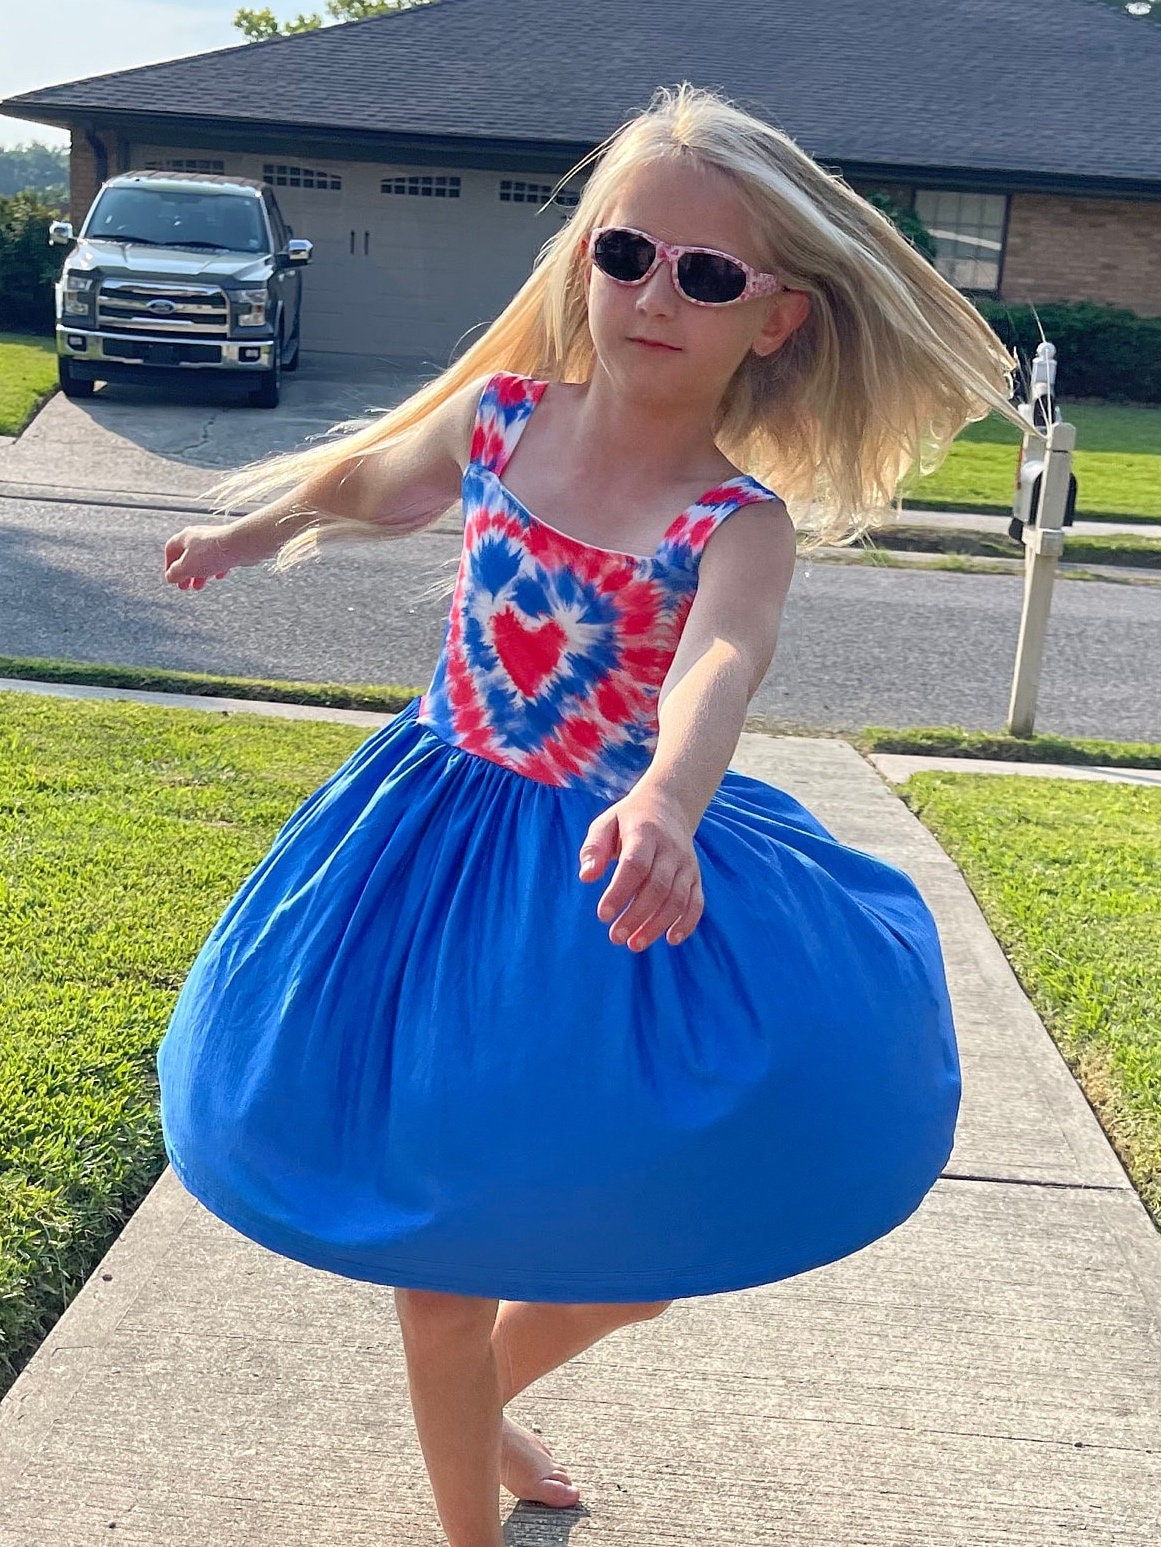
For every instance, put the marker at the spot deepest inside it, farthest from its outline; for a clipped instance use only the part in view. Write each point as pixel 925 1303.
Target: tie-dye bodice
pixel 555 651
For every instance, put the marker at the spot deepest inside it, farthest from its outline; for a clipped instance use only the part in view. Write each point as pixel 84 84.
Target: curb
pixel 901 558
pixel 125 498
pixel 132 499
pixel 898 766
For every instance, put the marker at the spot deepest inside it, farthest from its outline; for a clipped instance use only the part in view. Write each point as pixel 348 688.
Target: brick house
pixel 418 150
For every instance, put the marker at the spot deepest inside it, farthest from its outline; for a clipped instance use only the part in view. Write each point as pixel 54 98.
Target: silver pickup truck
pixel 177 271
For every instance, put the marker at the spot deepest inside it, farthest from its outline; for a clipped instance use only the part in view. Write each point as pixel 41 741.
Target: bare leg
pixel 455 1396
pixel 530 1338
pixel 463 1363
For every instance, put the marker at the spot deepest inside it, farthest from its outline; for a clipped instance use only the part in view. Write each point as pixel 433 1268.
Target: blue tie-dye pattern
pixel 531 597
pixel 494 563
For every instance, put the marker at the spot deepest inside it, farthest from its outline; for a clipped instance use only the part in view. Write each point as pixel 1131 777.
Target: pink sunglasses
pixel 702 275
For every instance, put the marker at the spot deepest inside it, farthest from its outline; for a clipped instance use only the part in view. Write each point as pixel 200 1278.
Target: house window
pixel 969 234
pixel 185 164
pixel 515 191
pixel 299 177
pixel 425 185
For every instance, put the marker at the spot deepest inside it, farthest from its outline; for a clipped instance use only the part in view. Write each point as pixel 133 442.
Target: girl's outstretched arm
pixel 726 647
pixel 419 473
pixel 725 651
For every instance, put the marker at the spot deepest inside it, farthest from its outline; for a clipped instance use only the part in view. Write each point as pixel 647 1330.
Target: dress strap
pixel 694 528
pixel 501 414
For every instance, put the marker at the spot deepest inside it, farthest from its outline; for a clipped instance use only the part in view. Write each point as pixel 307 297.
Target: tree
pixel 44 168
pixel 257 26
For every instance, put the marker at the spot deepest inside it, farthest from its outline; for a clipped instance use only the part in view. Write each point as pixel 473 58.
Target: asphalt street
pixel 859 645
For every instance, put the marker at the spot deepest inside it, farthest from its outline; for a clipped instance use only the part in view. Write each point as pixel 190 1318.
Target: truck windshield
pixel 165 218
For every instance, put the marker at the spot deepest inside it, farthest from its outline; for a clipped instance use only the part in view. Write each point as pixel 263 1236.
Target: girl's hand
pixel 657 881
pixel 197 552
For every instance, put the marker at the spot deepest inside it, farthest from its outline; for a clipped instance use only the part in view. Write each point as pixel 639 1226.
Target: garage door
pixel 409 261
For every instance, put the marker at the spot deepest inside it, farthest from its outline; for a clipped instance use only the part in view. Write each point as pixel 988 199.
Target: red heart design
pixel 528 655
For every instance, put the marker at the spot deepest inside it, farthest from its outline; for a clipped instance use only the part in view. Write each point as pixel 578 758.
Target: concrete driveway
pixel 174 438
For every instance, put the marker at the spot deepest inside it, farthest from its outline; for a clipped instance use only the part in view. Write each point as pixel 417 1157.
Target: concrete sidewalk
pixel 988 1375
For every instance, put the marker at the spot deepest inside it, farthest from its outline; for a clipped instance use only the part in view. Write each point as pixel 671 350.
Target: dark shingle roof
pixel 1067 89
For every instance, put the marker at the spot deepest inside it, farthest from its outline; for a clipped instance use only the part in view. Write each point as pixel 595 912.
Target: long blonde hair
pixel 887 368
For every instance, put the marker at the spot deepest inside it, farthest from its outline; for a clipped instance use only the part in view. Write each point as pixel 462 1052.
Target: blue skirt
pixel 408 1051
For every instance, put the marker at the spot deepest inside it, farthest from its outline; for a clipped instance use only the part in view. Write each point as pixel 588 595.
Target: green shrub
pixel 28 265
pixel 1102 351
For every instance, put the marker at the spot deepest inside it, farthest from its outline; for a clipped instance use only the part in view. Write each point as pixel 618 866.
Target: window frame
pixel 990 292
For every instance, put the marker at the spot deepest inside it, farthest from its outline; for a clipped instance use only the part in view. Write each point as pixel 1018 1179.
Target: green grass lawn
pixel 1117 465
pixel 955 741
pixel 1068 875
pixel 27 377
pixel 125 829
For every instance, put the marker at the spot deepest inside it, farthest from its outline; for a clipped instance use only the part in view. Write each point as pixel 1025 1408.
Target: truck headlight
pixel 76 293
pixel 251 308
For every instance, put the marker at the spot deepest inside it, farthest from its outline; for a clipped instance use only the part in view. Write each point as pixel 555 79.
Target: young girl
pixel 419 1047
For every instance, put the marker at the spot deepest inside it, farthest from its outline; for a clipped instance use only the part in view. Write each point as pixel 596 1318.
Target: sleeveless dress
pixel 408 1051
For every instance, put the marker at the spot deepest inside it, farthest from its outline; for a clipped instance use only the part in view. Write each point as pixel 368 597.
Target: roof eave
pixel 542 154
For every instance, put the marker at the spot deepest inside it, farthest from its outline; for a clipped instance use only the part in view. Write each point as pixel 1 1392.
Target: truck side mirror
pixel 298 250
pixel 60 233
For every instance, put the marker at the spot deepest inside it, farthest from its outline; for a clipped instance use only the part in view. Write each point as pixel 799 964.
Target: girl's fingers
pixel 178 551
pixel 602 843
pixel 650 899
pixel 631 873
pixel 665 918
pixel 676 918
pixel 671 919
pixel 687 921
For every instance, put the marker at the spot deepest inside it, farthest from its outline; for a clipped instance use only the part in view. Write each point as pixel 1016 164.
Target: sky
pixel 50 41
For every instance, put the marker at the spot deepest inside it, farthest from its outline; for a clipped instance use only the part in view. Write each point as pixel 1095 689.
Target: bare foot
pixel 528 1470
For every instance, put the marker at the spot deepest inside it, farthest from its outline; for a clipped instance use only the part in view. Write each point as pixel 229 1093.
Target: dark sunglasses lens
pixel 705 277
pixel 622 255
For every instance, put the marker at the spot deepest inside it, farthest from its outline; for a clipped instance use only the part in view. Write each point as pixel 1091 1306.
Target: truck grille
pixel 201 310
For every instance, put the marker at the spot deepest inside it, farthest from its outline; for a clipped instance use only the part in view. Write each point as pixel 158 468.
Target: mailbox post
pixel 1045 496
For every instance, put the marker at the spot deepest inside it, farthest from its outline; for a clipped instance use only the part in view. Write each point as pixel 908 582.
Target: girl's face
pixel 676 202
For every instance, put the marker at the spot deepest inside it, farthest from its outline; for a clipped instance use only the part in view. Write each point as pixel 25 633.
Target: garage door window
pixel 185 164
pixel 515 191
pixel 424 185
pixel 299 177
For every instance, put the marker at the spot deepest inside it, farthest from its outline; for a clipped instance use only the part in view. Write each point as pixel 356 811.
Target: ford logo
pixel 161 306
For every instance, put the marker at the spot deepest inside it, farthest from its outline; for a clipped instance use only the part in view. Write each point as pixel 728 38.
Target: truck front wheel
pixel 269 390
pixel 70 384
pixel 292 363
